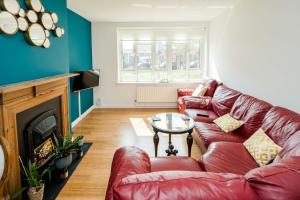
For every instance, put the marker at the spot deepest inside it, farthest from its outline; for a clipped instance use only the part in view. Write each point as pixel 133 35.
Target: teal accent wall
pixel 21 62
pixel 80 58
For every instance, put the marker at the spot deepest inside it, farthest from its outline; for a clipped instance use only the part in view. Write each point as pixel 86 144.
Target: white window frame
pixel 203 60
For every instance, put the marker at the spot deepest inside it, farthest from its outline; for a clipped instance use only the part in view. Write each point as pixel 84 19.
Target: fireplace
pixel 36 129
pixel 30 114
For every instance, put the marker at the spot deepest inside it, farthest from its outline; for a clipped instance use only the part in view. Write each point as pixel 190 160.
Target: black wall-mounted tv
pixel 85 80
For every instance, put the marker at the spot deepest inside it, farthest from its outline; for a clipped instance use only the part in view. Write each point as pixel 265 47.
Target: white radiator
pixel 156 94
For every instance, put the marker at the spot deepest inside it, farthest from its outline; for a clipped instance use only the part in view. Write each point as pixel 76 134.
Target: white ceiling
pixel 150 10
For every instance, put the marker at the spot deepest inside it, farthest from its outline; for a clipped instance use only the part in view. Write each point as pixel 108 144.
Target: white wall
pixel 255 48
pixel 110 94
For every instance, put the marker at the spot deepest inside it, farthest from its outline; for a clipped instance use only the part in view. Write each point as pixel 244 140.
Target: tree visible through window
pixel 160 61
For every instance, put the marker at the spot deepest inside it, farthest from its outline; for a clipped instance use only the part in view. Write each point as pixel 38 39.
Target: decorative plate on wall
pixel 36 23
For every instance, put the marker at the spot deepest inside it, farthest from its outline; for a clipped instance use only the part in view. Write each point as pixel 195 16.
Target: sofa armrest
pixel 127 161
pixel 177 185
pixel 198 102
pixel 184 92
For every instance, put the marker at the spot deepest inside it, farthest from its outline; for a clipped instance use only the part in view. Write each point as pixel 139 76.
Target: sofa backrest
pixel 280 124
pixel 251 111
pixel 211 85
pixel 224 99
pixel 283 127
pixel 278 181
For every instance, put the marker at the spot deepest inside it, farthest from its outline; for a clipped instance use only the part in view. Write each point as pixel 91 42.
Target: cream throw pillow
pixel 228 123
pixel 200 91
pixel 261 147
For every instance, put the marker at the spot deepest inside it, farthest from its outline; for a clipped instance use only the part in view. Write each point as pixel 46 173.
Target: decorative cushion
pixel 261 147
pixel 228 123
pixel 200 91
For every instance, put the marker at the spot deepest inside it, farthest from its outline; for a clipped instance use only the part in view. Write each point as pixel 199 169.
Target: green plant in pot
pixel 34 179
pixel 64 147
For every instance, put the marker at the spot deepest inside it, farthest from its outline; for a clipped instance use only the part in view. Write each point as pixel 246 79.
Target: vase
pixel 64 162
pixel 37 195
pixel 62 165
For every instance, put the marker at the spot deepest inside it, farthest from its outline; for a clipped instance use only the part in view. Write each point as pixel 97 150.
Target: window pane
pixel 161 55
pixel 144 56
pixel 145 76
pixel 194 54
pixel 178 67
pixel 128 56
pixel 128 75
pixel 195 74
pixel 178 56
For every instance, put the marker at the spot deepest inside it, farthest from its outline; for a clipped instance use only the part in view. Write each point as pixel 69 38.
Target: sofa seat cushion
pixel 178 163
pixel 211 115
pixel 212 133
pixel 227 157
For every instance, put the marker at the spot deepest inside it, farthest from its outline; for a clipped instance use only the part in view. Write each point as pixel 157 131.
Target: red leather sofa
pixel 186 93
pixel 226 170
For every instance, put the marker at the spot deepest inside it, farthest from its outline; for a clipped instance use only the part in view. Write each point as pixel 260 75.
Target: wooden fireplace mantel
pixel 16 98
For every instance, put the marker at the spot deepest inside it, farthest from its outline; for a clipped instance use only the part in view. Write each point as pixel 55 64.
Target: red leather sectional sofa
pixel 226 170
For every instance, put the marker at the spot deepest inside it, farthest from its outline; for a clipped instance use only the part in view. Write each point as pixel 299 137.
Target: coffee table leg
pixel 156 141
pixel 189 141
pixel 171 151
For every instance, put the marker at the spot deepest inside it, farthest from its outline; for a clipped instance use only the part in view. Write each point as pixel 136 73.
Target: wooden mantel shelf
pixel 22 85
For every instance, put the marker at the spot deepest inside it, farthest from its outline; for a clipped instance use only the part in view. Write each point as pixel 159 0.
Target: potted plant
pixel 34 179
pixel 64 147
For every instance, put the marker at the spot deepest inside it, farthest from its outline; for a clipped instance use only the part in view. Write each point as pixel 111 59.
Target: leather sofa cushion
pixel 278 181
pixel 211 87
pixel 127 161
pixel 179 185
pixel 290 148
pixel 250 110
pixel 178 163
pixel 180 103
pixel 227 157
pixel 224 99
pixel 212 133
pixel 280 124
pixel 198 102
pixel 193 114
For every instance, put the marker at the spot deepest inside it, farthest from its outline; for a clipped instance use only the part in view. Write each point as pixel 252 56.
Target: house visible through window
pixel 160 59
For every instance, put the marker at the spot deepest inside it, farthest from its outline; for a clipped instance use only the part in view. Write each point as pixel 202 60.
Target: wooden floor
pixel 109 129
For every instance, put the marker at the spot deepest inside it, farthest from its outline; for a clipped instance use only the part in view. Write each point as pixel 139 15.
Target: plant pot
pixel 38 195
pixel 64 162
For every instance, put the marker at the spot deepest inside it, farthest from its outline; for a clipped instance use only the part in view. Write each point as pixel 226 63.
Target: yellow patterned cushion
pixel 228 123
pixel 261 147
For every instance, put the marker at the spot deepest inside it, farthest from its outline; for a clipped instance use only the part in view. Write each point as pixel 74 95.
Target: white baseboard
pixel 83 116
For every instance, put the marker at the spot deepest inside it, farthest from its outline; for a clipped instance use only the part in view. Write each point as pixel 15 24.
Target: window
pixel 161 61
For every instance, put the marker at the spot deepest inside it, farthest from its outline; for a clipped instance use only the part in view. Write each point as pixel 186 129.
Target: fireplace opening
pixel 36 129
pixel 39 137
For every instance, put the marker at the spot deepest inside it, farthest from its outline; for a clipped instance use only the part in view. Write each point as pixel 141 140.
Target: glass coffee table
pixel 172 123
